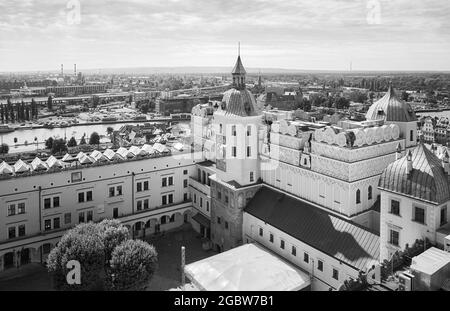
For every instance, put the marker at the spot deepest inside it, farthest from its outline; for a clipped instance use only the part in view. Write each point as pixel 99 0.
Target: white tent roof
pixel 5 168
pixel 38 164
pixel 160 148
pixel 20 167
pixel 124 153
pixel 178 146
pixel 98 156
pixel 137 151
pixel 110 154
pixel 52 161
pixel 249 267
pixel 148 149
pixel 67 157
pixel 79 155
pixel 85 159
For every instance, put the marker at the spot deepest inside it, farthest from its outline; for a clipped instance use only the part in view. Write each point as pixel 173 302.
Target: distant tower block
pixel 62 70
pixel 75 70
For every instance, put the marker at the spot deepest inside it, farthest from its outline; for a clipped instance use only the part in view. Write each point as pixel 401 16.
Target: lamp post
pixel 183 262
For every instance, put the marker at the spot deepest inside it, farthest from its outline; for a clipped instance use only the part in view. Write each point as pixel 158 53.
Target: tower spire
pixel 239 48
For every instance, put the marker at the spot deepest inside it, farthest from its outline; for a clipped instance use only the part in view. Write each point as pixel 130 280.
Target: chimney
pixel 398 152
pixel 409 167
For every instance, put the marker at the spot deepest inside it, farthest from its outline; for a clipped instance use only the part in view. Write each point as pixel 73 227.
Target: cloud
pixel 319 34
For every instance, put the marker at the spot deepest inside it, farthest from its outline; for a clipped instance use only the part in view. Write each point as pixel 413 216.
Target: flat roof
pixel 335 236
pixel 249 267
pixel 430 261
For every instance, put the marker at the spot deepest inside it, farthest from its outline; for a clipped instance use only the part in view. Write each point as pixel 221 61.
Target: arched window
pixel 369 193
pixel 358 196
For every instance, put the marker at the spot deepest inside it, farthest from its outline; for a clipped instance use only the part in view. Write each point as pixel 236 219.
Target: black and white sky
pixel 291 34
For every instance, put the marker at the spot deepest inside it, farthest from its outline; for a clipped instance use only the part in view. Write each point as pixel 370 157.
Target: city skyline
pixel 302 35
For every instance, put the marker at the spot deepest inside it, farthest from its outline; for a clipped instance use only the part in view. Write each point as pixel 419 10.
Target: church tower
pixel 236 125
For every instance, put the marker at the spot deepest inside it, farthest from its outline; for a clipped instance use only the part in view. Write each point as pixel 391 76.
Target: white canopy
pixel 178 146
pixel 110 154
pixel 67 158
pixel 148 149
pixel 249 267
pixel 53 162
pixel 5 168
pixel 124 153
pixel 79 155
pixel 37 164
pixel 160 148
pixel 136 151
pixel 85 159
pixel 20 167
pixel 98 156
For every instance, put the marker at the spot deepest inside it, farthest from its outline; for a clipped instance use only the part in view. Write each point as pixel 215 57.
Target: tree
pixel 109 130
pixel 405 96
pixel 133 264
pixel 4 148
pixel 102 249
pixel 83 140
pixel 72 142
pixel 49 143
pixel 94 139
pixel 59 146
pixel 342 103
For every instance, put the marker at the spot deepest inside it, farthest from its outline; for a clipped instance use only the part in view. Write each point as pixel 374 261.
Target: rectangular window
pixel 219 195
pixel 11 209
pixel 145 185
pixel 249 151
pixel 164 182
pixel 335 274
pixel 207 206
pixel 55 201
pixel 185 196
pixel 271 238
pixel 139 205
pixel 80 217
pixel 112 192
pixel 115 212
pixel 139 187
pixel 90 215
pixel 252 178
pixel 170 181
pixel 306 257
pixel 119 190
pixel 261 232
pixel 21 208
pixel 81 197
pixel 226 199
pixel 47 224
pixel 411 135
pixel 185 172
pixel 233 130
pixel 195 198
pixel 226 224
pixel 76 176
pixel 249 130
pixel 48 203
pixel 201 202
pixel 282 244
pixel 89 196
pixel 56 223
pixel 164 200
pixel 320 265
pixel 11 232
pixel 67 218
pixel 170 198
pixel 21 230
pixel 233 152
pixel 185 183
pixel 419 215
pixel 294 251
pixel 395 207
pixel 146 206
pixel 444 216
pixel 218 220
pixel 394 237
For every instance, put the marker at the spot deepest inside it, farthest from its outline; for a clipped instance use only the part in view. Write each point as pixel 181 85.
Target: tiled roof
pixel 238 67
pixel 339 238
pixel 427 180
pixel 236 102
pixel 390 108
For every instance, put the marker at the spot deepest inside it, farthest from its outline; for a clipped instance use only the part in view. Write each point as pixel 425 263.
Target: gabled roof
pixel 5 168
pixel 52 162
pixel 238 67
pixel 110 154
pixel 330 234
pixel 21 166
pixel 427 180
pixel 98 156
pixel 124 153
pixel 67 157
pixel 390 108
pixel 38 164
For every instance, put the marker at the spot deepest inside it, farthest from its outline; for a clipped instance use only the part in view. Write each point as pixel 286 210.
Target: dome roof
pixel 239 102
pixel 390 108
pixel 427 180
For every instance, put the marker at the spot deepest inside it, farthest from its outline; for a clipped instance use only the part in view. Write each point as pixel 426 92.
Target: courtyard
pixel 33 277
